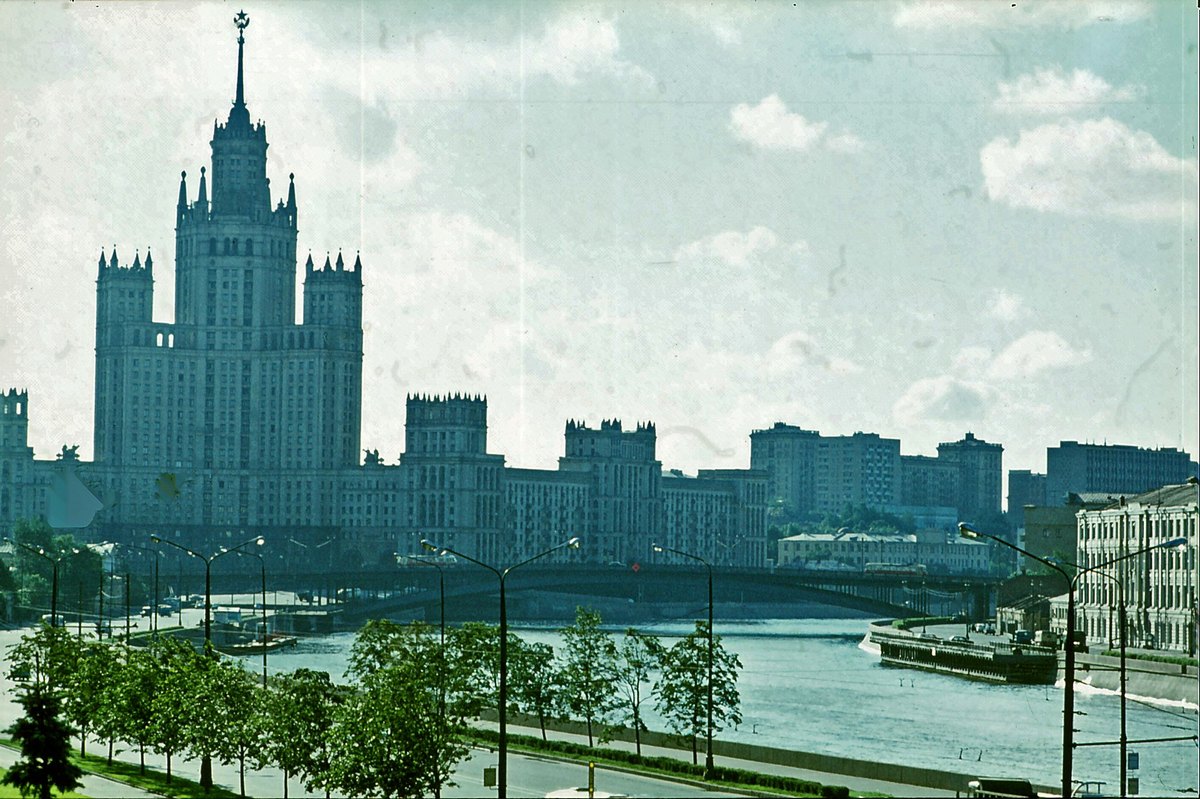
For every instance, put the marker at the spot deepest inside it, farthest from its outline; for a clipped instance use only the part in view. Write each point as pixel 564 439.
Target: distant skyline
pixel 914 219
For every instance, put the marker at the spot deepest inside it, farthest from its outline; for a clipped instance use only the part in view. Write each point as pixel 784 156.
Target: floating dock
pixel 1000 662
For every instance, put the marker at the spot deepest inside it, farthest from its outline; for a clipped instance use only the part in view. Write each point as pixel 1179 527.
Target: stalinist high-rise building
pixel 236 420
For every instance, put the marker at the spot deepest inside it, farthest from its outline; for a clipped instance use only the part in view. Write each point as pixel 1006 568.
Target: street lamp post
pixel 41 553
pixel 572 543
pixel 1121 626
pixel 263 566
pixel 206 761
pixel 157 555
pixel 966 531
pixel 315 547
pixel 708 752
pixel 437 788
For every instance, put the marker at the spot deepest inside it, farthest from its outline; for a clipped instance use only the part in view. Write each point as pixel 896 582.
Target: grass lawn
pixel 11 792
pixel 130 774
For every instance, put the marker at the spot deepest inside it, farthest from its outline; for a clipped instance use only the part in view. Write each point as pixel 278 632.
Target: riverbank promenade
pixel 855 784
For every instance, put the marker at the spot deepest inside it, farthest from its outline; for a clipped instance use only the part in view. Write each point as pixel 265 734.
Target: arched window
pixel 249 246
pixel 226 247
pixel 212 246
pixel 159 339
pixel 235 246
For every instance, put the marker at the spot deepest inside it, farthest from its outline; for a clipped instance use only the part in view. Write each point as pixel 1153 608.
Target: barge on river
pixel 999 662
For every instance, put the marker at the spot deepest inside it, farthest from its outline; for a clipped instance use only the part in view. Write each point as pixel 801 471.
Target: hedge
pixel 671 765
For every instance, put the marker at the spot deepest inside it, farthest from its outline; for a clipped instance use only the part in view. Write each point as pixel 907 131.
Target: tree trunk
pixel 110 751
pixel 142 750
pixel 637 730
pixel 82 740
pixel 589 722
pixel 168 767
pixel 285 779
pixel 242 775
pixel 541 718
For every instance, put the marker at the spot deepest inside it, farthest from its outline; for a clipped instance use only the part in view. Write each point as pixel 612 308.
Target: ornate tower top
pixel 242 21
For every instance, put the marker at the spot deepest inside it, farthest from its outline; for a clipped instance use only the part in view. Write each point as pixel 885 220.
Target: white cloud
pixel 941 399
pixel 770 126
pixel 1005 306
pixel 798 351
pixel 1096 166
pixel 1053 91
pixel 1036 352
pixel 725 22
pixel 1066 14
pixel 971 359
pixel 733 247
pixel 576 44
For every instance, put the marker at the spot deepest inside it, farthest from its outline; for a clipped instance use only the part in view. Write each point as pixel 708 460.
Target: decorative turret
pixel 202 197
pixel 291 201
pixel 181 206
pixel 454 424
pixel 14 422
pixel 333 293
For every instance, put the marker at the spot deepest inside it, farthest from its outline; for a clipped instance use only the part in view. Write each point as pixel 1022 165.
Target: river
pixel 809 685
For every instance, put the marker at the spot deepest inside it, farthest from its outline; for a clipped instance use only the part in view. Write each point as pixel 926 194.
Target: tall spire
pixel 242 21
pixel 202 198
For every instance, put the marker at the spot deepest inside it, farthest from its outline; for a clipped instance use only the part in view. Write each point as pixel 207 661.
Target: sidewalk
pixel 93 784
pixel 853 783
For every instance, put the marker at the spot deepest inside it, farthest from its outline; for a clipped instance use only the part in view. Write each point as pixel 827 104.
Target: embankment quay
pixel 992 661
pixel 995 659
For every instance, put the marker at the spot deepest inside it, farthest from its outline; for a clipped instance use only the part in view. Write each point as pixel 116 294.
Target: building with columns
pixel 1160 587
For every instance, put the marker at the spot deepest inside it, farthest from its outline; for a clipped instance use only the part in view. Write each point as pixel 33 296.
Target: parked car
pixel 960 639
pixel 1022 637
pixel 1046 638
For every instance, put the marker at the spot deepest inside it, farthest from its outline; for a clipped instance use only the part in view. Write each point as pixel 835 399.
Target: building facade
pixel 979 467
pixel 1118 469
pixel 1159 587
pixel 238 419
pixel 1025 488
pixel 928 552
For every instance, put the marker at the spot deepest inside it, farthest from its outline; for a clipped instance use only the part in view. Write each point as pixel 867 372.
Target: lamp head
pixel 260 541
pixel 155 539
pixel 429 546
pixel 573 543
pixel 656 547
pixel 1173 543
pixel 966 531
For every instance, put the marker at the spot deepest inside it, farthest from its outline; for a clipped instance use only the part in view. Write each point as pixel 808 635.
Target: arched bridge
pixel 653 591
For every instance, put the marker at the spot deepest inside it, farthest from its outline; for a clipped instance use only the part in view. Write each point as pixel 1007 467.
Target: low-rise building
pixel 1160 586
pixel 931 551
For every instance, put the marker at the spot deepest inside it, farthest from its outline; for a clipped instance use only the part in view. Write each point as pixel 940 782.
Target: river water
pixel 807 684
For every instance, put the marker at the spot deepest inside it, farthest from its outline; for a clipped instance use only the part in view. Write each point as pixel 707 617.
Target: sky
pixel 915 219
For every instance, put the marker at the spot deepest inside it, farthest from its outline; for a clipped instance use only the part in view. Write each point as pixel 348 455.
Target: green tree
pixel 178 666
pixel 132 702
pixel 473 659
pixel 637 658
pixel 235 711
pixel 300 714
pixel 89 693
pixel 49 654
pixel 682 688
pixel 536 687
pixel 45 741
pixel 589 670
pixel 394 737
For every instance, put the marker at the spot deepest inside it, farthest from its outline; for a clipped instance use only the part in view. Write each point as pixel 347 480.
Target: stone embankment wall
pixel 827 764
pixel 1144 678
